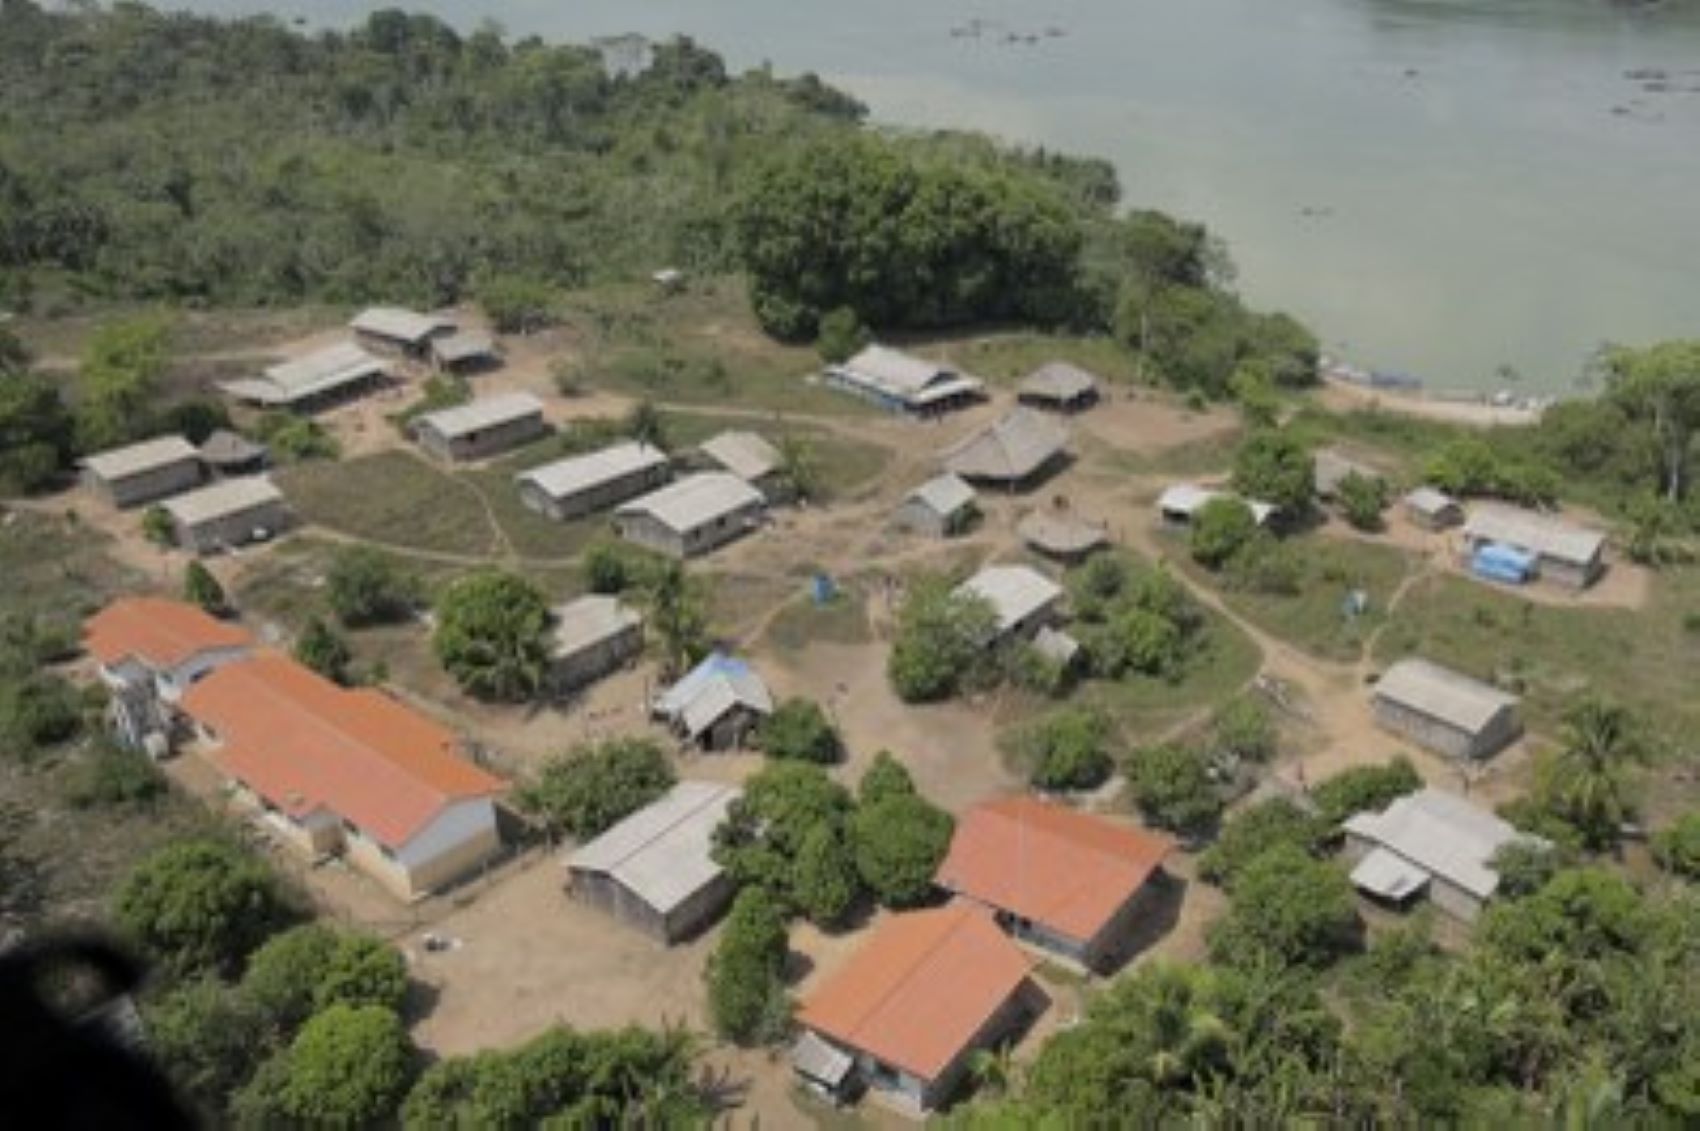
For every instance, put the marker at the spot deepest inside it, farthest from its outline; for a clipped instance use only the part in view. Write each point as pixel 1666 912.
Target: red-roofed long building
pixel 909 1008
pixel 1062 880
pixel 336 770
pixel 148 651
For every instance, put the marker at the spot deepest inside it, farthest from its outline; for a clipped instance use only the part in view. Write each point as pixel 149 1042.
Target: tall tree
pixel 1586 783
pixel 678 614
pixel 491 629
pixel 119 380
pixel 1660 386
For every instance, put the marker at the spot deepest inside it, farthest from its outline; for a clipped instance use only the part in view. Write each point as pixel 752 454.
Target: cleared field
pixel 1006 358
pixel 1315 617
pixel 392 498
pixel 57 569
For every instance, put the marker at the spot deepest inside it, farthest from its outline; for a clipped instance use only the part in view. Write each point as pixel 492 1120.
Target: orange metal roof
pixel 921 988
pixel 303 743
pixel 1064 870
pixel 161 633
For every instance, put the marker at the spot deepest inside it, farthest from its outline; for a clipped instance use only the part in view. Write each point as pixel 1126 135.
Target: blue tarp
pixel 674 698
pixel 1502 563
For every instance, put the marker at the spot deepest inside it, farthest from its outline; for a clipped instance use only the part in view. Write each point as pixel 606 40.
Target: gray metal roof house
pixel 1016 451
pixel 693 516
pixel 746 455
pixel 1429 842
pixel 481 427
pixel 464 353
pixel 1445 711
pixel 230 453
pixel 938 508
pixel 655 870
pixel 1433 509
pixel 1059 387
pixel 317 380
pixel 717 704
pixel 902 383
pixel 1179 503
pixel 581 485
pixel 394 328
pixel 141 473
pixel 593 635
pixel 1564 552
pixel 231 512
pixel 1062 535
pixel 1024 598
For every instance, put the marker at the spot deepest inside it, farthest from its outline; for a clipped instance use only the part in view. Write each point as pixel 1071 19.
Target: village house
pixel 717 705
pixel 1062 535
pixel 482 427
pixel 655 870
pixel 581 485
pixel 1430 843
pixel 228 453
pixel 1015 452
pixel 1331 469
pixel 148 652
pixel 1432 509
pixel 349 772
pixel 464 354
pixel 941 507
pixel 898 382
pixel 905 1014
pixel 697 514
pixel 1180 503
pixel 1555 550
pixel 593 635
pixel 750 458
pixel 229 513
pixel 1058 386
pixel 1069 883
pixel 1023 598
pixel 144 472
pixel 1445 711
pixel 392 329
pixel 316 381
pixel 1056 646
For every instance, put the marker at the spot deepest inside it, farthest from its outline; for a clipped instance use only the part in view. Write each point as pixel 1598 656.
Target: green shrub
pixel 799 730
pixel 1066 749
pixel 1365 788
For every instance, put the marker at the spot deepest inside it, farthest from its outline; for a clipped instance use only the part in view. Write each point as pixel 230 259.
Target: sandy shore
pixel 1343 395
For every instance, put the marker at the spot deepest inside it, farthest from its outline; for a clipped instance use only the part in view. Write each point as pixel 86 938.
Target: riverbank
pixel 1341 395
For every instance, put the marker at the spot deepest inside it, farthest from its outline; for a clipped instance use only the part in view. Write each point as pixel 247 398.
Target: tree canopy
pixel 491 632
pixel 589 789
pixel 941 641
pixel 199 905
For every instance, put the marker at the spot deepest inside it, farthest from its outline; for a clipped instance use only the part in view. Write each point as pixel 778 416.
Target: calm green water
pixel 1438 186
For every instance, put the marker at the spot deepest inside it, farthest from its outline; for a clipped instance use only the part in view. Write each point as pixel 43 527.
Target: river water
pixel 1440 187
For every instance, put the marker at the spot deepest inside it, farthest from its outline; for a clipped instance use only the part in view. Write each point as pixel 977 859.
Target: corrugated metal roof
pixel 311 375
pixel 663 852
pixel 902 377
pixel 590 620
pixel 1013 447
pixel 1189 498
pixel 138 459
pixel 1442 834
pixel 1059 533
pixel 816 1058
pixel 1059 380
pixel 744 454
pixel 1548 537
pixel 1427 500
pixel 1056 645
pixel 225 447
pixel 456 348
pixel 943 494
pixel 1441 693
pixel 399 324
pixel 576 474
pixel 709 690
pixel 231 496
pixel 696 501
pixel 477 415
pixel 1016 592
pixel 1389 876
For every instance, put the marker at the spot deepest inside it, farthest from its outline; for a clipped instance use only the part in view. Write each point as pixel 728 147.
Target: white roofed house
pixel 900 382
pixel 1432 509
pixel 938 508
pixel 398 330
pixel 717 704
pixel 593 635
pixel 1564 552
pixel 749 457
pixel 1432 843
pixel 318 380
pixel 1180 503
pixel 655 870
pixel 463 353
pixel 141 473
pixel 1024 599
pixel 693 516
pixel 581 485
pixel 231 512
pixel 481 427
pixel 1016 451
pixel 1445 711
pixel 1059 387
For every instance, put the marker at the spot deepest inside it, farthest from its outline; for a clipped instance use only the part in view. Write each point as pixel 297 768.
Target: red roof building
pixel 1064 880
pixel 158 633
pixel 927 990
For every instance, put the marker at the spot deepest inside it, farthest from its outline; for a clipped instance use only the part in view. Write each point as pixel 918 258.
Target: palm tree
pixel 676 611
pixel 645 425
pixel 798 466
pixel 1586 783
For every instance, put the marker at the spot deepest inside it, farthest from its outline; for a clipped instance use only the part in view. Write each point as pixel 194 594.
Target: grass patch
pixel 845 465
pixel 843 620
pixel 393 499
pixel 1646 658
pixel 1006 358
pixel 57 570
pixel 738 602
pixel 1210 456
pixel 1314 619
pixel 531 535
pixel 1225 661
